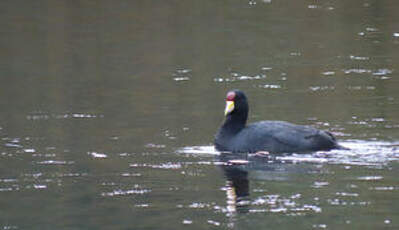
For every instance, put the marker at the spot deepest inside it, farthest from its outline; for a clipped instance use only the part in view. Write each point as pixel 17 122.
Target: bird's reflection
pixel 237 184
pixel 237 169
pixel 237 188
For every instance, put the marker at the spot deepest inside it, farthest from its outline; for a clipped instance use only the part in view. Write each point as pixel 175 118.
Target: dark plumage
pixel 271 136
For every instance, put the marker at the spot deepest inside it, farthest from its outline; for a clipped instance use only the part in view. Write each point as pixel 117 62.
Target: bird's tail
pixel 336 145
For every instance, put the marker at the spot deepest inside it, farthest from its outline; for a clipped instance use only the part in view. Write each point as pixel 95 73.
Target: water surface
pixel 108 111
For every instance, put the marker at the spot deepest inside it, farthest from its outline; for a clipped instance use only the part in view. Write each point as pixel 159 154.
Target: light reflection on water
pixel 99 100
pixel 242 197
pixel 287 185
pixel 253 184
pixel 360 152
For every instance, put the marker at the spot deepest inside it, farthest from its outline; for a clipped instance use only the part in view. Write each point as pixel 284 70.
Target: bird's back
pixel 280 136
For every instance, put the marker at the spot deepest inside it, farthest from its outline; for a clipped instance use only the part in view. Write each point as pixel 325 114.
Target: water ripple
pixel 239 77
pixel 120 192
pixel 41 115
pixel 55 162
pixel 366 153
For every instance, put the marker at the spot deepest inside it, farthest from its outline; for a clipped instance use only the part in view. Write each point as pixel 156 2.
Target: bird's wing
pixel 286 137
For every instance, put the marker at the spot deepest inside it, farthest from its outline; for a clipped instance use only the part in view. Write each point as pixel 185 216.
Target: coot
pixel 266 136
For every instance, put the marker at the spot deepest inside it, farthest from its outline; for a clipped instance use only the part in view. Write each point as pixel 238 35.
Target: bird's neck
pixel 233 125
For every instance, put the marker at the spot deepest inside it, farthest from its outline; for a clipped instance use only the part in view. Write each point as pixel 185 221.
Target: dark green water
pixel 108 111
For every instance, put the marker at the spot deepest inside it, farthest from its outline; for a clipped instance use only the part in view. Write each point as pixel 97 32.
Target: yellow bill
pixel 229 107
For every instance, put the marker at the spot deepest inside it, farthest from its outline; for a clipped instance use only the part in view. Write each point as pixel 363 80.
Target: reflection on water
pixel 366 153
pixel 108 111
pixel 293 185
pixel 242 171
pixel 237 188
